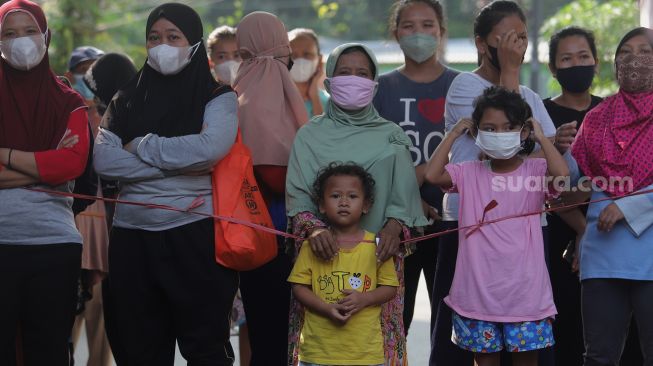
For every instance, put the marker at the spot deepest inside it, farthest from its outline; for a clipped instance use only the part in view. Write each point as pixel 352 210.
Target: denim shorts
pixel 486 337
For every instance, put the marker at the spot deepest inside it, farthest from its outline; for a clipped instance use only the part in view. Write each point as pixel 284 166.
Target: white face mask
pixel 170 60
pixel 227 71
pixel 23 53
pixel 499 145
pixel 303 69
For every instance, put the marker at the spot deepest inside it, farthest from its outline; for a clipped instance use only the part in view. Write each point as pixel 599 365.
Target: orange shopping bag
pixel 236 194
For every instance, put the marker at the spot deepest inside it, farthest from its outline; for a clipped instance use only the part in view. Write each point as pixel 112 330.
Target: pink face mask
pixel 352 92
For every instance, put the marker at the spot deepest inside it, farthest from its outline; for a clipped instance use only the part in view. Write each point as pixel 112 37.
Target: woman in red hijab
pixel 43 144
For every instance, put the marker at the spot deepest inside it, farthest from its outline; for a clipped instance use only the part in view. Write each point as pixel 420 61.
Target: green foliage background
pixel 119 25
pixel 610 21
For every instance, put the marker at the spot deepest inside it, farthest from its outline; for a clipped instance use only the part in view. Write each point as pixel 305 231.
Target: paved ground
pixel 419 337
pixel 419 345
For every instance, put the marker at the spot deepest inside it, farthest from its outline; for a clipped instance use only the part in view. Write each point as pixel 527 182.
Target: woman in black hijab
pixel 166 130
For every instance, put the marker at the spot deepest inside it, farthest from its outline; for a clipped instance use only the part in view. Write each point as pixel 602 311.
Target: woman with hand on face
pixel 167 128
pixel 573 61
pixel 614 148
pixel 382 149
pixel 501 39
pixel 413 97
pixel 306 71
pixel 44 143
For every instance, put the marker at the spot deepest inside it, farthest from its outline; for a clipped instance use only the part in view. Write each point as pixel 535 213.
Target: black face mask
pixel 494 60
pixel 576 79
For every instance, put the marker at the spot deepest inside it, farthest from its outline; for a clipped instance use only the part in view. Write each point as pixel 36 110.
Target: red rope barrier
pixel 199 201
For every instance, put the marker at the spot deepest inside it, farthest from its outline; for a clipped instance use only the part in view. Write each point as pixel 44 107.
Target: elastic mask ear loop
pixel 196 47
pixel 277 58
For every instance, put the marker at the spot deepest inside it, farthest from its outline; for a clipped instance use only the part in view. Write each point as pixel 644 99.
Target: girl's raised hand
pixel 538 133
pixel 463 126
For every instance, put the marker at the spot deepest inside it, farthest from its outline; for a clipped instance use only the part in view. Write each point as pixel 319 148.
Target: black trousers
pixel 608 305
pixel 111 324
pixel 423 259
pixel 164 287
pixel 38 284
pixel 266 299
pixel 443 351
pixel 567 327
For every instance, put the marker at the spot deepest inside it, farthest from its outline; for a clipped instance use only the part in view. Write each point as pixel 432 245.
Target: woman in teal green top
pixel 352 130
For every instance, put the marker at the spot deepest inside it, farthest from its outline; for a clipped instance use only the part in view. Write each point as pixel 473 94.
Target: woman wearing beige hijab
pixel 271 110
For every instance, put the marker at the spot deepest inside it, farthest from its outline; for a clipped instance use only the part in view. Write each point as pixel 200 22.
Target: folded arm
pixel 10 178
pixel 52 167
pixel 113 162
pixel 198 152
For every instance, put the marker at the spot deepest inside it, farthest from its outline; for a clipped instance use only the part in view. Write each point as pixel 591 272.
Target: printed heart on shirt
pixel 432 109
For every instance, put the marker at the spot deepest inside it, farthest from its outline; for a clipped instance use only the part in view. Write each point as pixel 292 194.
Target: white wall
pixel 646 13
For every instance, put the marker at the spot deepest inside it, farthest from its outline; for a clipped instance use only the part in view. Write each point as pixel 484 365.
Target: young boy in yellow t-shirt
pixel 343 297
